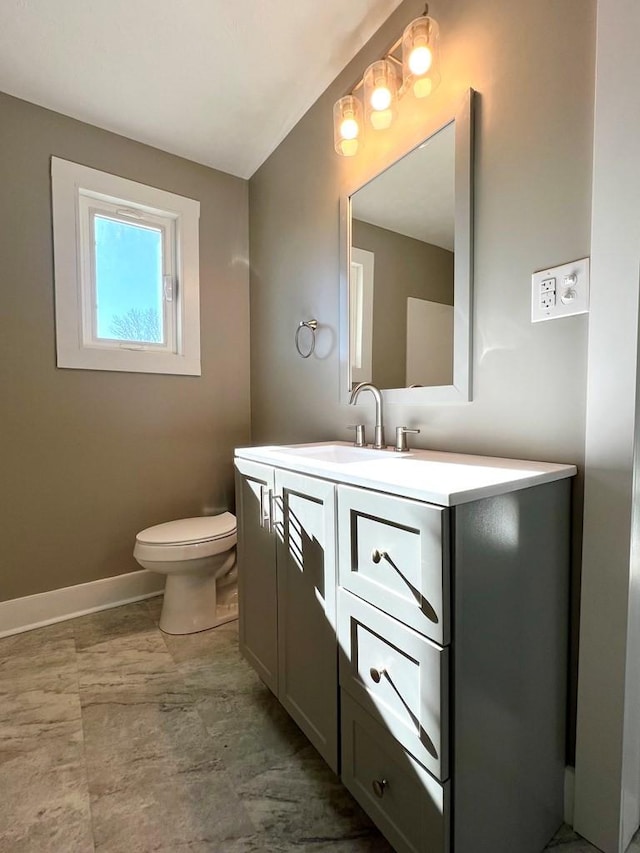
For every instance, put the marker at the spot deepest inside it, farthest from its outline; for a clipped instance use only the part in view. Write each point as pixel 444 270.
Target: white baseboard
pixel 45 608
pixel 569 793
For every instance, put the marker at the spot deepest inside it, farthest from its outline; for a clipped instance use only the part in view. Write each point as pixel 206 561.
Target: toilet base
pixel 223 615
pixel 192 603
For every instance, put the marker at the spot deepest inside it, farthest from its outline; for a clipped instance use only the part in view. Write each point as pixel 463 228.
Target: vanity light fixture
pixel 347 125
pixel 420 65
pixel 380 93
pixel 386 81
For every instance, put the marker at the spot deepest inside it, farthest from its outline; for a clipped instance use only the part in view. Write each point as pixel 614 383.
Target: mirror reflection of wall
pixel 404 219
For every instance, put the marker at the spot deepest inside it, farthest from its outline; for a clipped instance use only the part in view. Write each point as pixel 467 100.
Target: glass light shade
pixel 420 59
pixel 347 125
pixel 380 93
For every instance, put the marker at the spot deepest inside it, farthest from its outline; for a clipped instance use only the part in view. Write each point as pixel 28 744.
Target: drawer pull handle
pixel 376 555
pixel 376 674
pixel 378 786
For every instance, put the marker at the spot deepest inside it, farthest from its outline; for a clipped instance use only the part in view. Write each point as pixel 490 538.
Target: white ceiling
pixel 220 82
pixel 415 196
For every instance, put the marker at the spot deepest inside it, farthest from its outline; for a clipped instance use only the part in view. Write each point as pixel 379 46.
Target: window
pixel 126 274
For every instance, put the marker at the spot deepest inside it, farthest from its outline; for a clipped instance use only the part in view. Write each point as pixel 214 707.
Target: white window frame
pixel 78 194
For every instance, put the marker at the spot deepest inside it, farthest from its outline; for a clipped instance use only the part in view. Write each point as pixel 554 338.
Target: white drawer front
pixel 406 803
pixel 399 676
pixel 393 552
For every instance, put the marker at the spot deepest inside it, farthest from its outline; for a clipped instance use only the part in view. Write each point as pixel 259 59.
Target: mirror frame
pixel 461 389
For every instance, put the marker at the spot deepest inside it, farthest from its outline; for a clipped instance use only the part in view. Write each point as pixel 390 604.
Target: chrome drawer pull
pixel 376 555
pixel 264 511
pixel 378 786
pixel 266 508
pixel 376 674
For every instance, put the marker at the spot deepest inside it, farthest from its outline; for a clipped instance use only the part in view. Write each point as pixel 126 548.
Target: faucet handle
pixel 360 441
pixel 401 445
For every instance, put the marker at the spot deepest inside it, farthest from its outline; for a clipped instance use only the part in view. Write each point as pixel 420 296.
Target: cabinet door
pixel 257 586
pixel 307 644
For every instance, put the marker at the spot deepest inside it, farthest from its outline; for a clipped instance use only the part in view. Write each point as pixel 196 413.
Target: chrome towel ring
pixel 308 324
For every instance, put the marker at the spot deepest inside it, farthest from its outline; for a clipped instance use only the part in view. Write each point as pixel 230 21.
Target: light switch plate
pixel 569 284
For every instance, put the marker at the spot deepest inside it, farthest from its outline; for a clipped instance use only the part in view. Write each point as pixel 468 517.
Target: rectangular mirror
pixel 406 271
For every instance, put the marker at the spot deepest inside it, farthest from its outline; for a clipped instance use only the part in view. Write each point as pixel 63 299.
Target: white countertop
pixel 441 478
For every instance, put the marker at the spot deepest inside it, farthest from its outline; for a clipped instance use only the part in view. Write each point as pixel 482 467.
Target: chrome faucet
pixel 378 441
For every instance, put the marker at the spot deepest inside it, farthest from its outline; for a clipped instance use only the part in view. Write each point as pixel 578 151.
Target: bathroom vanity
pixel 410 612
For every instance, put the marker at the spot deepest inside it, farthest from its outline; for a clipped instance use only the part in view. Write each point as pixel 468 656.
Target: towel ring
pixel 308 324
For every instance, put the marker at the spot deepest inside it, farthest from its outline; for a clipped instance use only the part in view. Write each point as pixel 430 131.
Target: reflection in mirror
pixel 406 270
pixel 401 280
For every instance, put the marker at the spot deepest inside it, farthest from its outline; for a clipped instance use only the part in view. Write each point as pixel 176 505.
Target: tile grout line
pixel 82 728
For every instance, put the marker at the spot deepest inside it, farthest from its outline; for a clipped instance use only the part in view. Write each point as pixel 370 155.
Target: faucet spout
pixel 378 441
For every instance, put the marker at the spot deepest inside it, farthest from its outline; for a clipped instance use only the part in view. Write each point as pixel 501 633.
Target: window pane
pixel 128 270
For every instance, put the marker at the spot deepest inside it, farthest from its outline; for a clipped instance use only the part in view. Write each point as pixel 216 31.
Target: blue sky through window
pixel 128 268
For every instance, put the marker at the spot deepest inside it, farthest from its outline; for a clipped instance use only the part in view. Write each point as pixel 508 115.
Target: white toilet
pixel 198 556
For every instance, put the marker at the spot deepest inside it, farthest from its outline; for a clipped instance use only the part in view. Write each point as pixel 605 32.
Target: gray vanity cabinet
pixel 481 707
pixel 439 630
pixel 287 593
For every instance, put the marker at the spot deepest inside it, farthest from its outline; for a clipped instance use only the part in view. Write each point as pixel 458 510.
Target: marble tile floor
pixel 117 738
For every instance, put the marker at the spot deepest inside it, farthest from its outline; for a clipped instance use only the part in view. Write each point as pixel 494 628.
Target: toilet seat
pixel 187 538
pixel 189 531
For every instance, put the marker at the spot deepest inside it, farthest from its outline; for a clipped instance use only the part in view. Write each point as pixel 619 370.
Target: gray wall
pixel 607 807
pixel 403 267
pixel 88 458
pixel 533 157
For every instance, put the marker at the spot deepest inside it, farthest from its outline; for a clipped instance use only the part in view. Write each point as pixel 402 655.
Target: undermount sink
pixel 336 453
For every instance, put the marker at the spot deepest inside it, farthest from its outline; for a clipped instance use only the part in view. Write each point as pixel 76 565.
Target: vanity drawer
pixel 397 675
pixel 406 803
pixel 394 553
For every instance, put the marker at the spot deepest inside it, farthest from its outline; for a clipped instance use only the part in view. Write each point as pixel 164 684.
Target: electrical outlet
pixel 547 294
pixel 560 291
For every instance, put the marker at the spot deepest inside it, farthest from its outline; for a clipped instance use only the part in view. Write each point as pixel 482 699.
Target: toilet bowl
pixel 198 556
